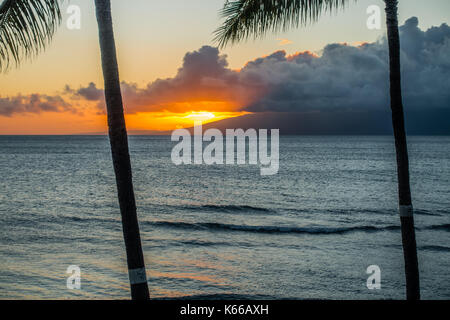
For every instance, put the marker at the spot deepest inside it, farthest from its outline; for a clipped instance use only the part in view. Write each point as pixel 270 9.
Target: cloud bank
pixel 356 77
pixel 204 82
pixel 343 77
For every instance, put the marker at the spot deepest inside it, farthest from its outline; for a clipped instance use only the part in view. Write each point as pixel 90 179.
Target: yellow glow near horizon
pixel 93 122
pixel 200 116
pixel 163 121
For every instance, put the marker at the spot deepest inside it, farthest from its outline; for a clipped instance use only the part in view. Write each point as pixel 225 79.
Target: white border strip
pixel 406 211
pixel 137 276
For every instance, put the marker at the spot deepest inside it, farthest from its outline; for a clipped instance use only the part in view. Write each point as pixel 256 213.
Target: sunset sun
pixel 201 116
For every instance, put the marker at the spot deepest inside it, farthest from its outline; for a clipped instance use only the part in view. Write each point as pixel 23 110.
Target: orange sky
pixel 146 54
pixel 54 123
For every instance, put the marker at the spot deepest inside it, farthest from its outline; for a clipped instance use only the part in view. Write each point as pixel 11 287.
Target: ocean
pixel 222 231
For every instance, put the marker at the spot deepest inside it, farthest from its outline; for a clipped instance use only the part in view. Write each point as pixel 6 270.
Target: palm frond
pixel 26 27
pixel 244 18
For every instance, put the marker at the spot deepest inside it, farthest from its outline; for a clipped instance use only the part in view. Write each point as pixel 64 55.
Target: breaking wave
pixel 270 229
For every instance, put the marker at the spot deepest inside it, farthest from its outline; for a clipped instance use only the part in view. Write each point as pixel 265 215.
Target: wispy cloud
pixel 284 42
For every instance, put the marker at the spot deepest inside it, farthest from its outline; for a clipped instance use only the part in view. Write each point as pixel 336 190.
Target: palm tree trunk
pixel 404 192
pixel 120 154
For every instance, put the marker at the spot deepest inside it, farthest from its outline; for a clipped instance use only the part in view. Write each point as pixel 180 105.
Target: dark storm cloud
pixel 355 78
pixel 344 76
pixel 347 81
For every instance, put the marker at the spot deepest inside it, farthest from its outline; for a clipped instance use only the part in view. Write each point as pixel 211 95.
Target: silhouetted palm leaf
pixel 255 17
pixel 26 26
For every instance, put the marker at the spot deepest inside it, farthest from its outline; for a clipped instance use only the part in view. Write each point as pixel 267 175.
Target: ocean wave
pixel 352 211
pixel 203 243
pixel 444 227
pixel 435 248
pixel 228 208
pixel 426 213
pixel 94 219
pixel 224 296
pixel 271 229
